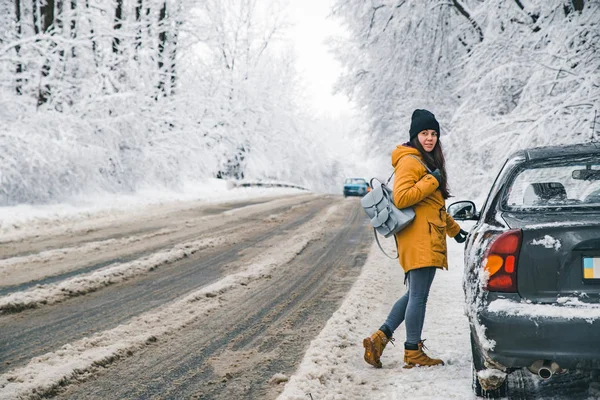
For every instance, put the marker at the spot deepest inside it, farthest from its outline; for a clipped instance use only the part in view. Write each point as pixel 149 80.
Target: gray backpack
pixel 385 217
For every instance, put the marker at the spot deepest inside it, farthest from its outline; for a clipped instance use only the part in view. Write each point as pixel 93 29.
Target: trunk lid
pixel 559 257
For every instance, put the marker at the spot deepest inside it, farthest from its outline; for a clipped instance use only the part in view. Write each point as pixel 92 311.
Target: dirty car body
pixel 532 266
pixel 355 187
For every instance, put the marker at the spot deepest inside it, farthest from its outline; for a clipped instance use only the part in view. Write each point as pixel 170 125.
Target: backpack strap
pixel 419 160
pixel 386 183
pixel 381 248
pixel 416 158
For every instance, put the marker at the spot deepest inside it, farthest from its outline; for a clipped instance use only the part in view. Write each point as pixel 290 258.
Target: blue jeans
pixel 410 308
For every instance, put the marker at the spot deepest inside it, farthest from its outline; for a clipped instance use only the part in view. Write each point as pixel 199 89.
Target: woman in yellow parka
pixel 421 245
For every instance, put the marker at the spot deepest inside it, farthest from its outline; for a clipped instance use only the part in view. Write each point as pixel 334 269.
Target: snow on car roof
pixel 537 153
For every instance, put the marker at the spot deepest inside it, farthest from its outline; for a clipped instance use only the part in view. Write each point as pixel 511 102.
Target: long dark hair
pixel 434 159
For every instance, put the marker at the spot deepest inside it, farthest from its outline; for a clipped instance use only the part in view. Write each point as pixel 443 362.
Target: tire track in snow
pixel 83 227
pixel 180 218
pixel 80 285
pixel 117 272
pixel 37 331
pixel 37 261
pixel 257 336
pixel 43 375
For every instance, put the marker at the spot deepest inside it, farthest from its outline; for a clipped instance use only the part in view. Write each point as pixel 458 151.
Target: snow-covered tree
pixel 499 74
pixel 115 95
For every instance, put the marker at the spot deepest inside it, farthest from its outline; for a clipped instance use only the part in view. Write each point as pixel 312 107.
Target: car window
pixel 355 181
pixel 500 180
pixel 564 184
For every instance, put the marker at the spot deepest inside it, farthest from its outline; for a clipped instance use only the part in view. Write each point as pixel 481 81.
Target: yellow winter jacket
pixel 423 242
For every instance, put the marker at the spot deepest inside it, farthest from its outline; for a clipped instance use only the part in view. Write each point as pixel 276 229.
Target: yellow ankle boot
pixel 374 346
pixel 418 358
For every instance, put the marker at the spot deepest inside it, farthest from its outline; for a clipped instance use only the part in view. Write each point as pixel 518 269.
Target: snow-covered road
pixel 140 345
pixel 234 278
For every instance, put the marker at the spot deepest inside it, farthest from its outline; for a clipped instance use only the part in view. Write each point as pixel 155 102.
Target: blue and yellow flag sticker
pixel 591 268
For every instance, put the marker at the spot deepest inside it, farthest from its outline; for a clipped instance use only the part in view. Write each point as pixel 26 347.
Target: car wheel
pixel 478 365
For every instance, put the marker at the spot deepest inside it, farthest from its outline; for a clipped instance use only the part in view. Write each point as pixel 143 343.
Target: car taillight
pixel 501 262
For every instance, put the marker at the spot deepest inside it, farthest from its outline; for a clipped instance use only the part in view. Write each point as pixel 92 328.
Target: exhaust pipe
pixel 545 372
pixel 545 368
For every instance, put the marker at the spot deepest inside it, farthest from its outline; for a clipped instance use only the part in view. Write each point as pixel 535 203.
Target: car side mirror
pixel 463 211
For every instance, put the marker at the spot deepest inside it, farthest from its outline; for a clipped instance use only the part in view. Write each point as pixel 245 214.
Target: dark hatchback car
pixel 356 187
pixel 532 267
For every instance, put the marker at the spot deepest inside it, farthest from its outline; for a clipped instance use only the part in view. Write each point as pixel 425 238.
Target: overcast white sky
pixel 317 66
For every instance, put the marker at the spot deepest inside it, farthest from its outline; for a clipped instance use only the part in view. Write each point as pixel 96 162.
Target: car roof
pixel 538 153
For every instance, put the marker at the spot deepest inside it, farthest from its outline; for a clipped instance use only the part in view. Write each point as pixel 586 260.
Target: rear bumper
pixel 355 192
pixel 521 340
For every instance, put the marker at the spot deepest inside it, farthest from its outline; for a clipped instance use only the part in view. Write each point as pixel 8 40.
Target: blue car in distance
pixel 356 187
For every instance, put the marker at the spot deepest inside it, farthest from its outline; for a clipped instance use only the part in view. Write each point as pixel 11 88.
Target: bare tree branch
pixel 461 10
pixel 17 47
pixel 534 17
pixel 117 26
pixel 397 6
pixel 372 24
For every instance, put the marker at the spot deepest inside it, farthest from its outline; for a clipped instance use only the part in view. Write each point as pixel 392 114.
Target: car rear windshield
pixel 555 184
pixel 355 181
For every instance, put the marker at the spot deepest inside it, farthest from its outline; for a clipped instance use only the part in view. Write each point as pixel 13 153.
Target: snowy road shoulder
pixel 89 213
pixel 333 366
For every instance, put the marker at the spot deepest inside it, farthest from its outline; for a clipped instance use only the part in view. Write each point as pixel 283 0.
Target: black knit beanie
pixel 422 120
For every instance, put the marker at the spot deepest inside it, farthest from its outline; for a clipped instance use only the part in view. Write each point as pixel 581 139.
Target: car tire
pixel 477 365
